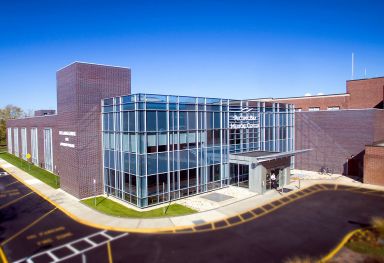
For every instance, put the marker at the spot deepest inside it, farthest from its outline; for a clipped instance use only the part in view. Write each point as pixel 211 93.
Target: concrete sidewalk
pixel 86 215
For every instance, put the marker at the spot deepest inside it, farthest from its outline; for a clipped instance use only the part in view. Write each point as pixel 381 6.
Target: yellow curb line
pixel 334 251
pixel 2 256
pixel 134 230
pixel 110 260
pixel 173 229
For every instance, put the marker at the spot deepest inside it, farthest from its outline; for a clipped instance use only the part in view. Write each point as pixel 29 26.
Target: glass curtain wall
pixel 48 154
pixel 16 141
pixel 9 140
pixel 34 146
pixel 24 143
pixel 159 148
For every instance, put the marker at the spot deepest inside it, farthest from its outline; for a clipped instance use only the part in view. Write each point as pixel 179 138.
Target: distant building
pixel 338 126
pixel 360 94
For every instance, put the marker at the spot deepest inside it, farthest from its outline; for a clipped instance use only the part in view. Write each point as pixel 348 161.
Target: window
pixel 34 146
pixel 314 109
pixel 333 108
pixel 16 141
pixel 9 141
pixel 48 154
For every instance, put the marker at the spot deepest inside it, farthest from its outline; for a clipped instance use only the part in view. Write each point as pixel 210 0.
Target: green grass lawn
pixel 366 248
pixel 41 174
pixel 109 207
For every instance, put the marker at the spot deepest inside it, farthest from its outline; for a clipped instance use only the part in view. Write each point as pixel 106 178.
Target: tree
pixel 9 112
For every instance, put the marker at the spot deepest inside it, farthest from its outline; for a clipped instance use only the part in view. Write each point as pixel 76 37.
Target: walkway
pixel 83 214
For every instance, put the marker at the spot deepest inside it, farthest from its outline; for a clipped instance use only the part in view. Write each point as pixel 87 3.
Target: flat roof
pixel 305 97
pixel 262 156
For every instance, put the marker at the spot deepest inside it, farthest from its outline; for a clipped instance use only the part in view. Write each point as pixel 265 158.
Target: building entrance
pixel 239 175
pixel 269 183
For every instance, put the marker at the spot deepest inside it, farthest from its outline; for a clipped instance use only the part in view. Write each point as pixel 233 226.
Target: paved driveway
pixel 310 222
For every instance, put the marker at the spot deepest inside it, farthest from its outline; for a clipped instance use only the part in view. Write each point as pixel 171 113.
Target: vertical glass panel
pixel 132 163
pixel 125 142
pixel 126 162
pixel 151 120
pixel 183 120
pixel 162 120
pixel 162 142
pixel 192 120
pixel 163 162
pixel 132 142
pixel 209 120
pixel 217 120
pixel 125 120
pixel 152 185
pixel 184 159
pixel 183 179
pixel 131 121
pixel 152 163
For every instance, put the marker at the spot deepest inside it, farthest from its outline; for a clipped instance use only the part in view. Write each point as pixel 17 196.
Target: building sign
pixel 66 139
pixel 67 133
pixel 244 120
pixel 70 145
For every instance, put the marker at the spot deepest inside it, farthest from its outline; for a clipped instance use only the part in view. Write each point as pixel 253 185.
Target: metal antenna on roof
pixel 365 72
pixel 353 58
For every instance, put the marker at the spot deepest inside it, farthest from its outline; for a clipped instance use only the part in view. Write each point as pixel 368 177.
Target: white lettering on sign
pixel 247 117
pixel 70 145
pixel 243 125
pixel 244 116
pixel 66 139
pixel 67 133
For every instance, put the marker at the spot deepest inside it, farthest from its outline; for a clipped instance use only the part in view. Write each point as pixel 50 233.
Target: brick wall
pixel 365 93
pixel 360 94
pixel 374 165
pixel 40 123
pixel 323 102
pixel 80 88
pixel 335 137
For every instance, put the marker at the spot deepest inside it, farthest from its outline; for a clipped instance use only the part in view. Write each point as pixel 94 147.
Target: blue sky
pixel 229 49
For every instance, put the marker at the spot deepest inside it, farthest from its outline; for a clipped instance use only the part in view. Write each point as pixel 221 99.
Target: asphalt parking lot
pixel 310 222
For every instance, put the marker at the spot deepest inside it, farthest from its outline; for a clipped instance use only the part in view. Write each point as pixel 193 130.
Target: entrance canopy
pixel 260 165
pixel 262 156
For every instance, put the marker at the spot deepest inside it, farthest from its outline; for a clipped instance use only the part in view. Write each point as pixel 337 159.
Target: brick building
pixel 147 149
pixel 338 126
pixel 360 94
pixel 373 163
pixel 69 143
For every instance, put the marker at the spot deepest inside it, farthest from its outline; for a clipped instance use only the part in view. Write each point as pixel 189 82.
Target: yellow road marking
pixel 334 251
pixel 2 256
pixel 254 215
pixel 14 201
pixel 167 229
pixel 27 227
pixel 110 260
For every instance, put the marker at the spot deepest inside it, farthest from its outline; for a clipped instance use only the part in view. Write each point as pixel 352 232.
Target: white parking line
pixel 74 250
